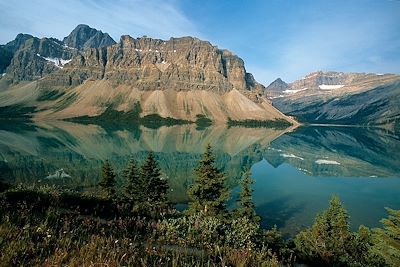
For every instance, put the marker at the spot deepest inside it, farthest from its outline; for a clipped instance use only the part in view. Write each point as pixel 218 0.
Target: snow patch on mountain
pixel 324 161
pixel 330 86
pixel 291 156
pixel 58 62
pixel 294 91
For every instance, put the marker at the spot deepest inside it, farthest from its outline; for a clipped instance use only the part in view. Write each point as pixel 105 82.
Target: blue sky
pixel 275 38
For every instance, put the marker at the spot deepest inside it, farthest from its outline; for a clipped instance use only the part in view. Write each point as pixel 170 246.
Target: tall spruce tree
pixel 134 190
pixel 208 193
pixel 246 205
pixel 107 182
pixel 387 240
pixel 155 187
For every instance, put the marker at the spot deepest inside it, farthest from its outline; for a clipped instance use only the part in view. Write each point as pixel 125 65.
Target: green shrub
pixel 242 233
pixel 196 230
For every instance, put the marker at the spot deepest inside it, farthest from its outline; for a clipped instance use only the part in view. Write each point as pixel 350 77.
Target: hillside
pixel 342 98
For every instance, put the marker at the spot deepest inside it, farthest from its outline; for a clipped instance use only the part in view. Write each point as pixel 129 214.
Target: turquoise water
pixel 290 199
pixel 296 173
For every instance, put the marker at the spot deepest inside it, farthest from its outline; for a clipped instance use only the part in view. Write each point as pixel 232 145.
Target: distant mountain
pixel 179 79
pixel 328 83
pixel 276 88
pixel 343 98
pixel 83 37
pixel 329 80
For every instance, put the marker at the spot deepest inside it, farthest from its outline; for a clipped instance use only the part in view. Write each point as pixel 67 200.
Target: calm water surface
pixel 296 173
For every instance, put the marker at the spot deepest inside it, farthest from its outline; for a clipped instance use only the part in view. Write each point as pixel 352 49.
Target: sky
pixel 275 38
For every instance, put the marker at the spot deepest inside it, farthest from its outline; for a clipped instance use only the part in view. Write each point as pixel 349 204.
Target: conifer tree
pixel 208 193
pixel 107 182
pixel 246 205
pixel 327 241
pixel 134 185
pixel 387 240
pixel 155 187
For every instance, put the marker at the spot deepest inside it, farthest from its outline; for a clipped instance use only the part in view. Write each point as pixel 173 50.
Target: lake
pixel 296 172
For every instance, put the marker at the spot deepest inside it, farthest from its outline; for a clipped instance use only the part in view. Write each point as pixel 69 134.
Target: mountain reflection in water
pixel 285 164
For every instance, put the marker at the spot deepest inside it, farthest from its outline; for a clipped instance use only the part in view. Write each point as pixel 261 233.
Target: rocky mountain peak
pixel 83 37
pixel 18 42
pixel 278 84
pixel 28 58
pixel 276 88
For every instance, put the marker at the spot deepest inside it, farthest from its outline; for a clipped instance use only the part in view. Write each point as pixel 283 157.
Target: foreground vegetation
pixel 137 226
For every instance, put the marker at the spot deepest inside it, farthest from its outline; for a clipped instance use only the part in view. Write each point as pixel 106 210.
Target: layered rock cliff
pixel 38 57
pixel 180 78
pixel 180 63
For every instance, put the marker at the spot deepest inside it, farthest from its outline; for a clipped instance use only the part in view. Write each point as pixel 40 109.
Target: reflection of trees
pixel 80 150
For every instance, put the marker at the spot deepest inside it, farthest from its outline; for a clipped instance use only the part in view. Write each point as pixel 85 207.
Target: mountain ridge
pixel 180 78
pixel 342 98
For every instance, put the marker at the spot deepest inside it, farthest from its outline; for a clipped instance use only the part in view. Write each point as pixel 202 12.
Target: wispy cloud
pixel 155 18
pixel 345 41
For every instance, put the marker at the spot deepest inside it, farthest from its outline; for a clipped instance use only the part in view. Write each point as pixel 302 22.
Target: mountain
pixel 276 88
pixel 28 58
pixel 83 37
pixel 343 98
pixel 36 58
pixel 177 79
pixel 7 51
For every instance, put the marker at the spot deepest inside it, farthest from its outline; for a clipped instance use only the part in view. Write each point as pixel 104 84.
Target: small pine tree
pixel 134 186
pixel 208 193
pixel 327 241
pixel 246 205
pixel 387 240
pixel 107 182
pixel 155 187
